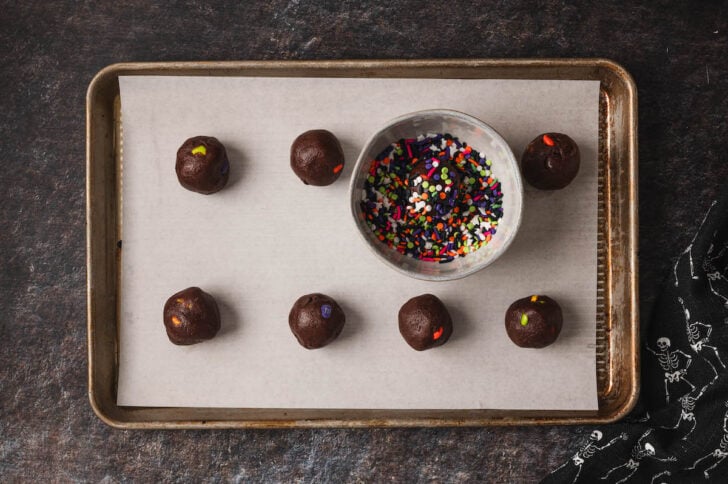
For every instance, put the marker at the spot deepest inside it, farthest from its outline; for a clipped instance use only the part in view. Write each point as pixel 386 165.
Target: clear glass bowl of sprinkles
pixel 437 195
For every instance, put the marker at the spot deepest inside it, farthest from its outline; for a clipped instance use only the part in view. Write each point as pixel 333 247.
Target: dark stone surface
pixel 50 51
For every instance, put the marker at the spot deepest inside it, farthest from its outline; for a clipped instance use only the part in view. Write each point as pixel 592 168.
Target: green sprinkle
pixel 425 184
pixel 410 245
pixel 524 319
pixel 370 179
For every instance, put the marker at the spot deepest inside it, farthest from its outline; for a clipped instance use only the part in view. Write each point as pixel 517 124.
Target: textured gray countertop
pixel 51 50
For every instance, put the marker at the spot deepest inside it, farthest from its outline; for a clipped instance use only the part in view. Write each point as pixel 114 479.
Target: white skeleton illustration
pixel 719 453
pixel 670 362
pixel 588 451
pixel 699 337
pixel 639 451
pixel 717 280
pixel 687 405
pixel 689 250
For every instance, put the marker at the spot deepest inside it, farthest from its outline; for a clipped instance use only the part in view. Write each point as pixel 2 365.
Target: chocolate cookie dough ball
pixel 191 316
pixel 434 184
pixel 551 161
pixel 316 320
pixel 534 322
pixel 202 165
pixel 424 322
pixel 317 157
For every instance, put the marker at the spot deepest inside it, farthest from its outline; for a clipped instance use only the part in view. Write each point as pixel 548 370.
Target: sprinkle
pixel 176 321
pixel 199 150
pixel 428 219
pixel 524 319
pixel 338 168
pixel 534 298
pixel 326 311
pixel 547 140
pixel 436 335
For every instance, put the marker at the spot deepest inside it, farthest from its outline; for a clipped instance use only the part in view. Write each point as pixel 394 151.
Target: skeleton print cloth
pixel 679 430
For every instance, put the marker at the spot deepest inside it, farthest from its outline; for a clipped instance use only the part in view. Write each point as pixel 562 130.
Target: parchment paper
pixel 267 239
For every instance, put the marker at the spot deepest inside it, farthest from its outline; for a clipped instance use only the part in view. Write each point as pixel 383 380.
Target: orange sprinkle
pixel 534 298
pixel 442 195
pixel 180 300
pixel 547 140
pixel 381 237
pixel 436 335
pixel 338 168
pixel 440 226
pixel 425 196
pixel 176 321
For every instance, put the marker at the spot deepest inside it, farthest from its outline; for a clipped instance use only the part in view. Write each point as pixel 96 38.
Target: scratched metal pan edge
pixel 617 344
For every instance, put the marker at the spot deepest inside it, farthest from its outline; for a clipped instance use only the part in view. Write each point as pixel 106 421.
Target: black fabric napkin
pixel 678 431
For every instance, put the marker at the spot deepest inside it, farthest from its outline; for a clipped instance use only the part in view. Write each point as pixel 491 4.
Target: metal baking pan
pixel 617 344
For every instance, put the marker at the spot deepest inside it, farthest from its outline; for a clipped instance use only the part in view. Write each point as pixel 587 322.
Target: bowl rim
pixel 511 160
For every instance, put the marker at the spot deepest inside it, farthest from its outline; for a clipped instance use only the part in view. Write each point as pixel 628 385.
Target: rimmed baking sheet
pixel 385 409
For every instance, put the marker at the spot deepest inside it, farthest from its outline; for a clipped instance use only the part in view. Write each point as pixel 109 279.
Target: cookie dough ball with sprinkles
pixel 317 158
pixel 202 165
pixel 191 316
pixel 424 322
pixel 551 161
pixel 316 320
pixel 534 321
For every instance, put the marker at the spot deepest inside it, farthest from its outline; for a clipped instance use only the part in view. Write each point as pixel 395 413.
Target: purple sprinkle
pixel 326 311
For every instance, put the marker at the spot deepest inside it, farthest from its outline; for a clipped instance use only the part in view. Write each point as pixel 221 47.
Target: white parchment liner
pixel 267 239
